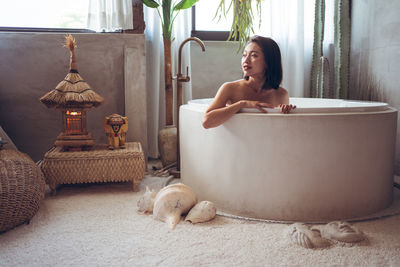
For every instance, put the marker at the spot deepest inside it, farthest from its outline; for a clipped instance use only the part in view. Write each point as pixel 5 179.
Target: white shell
pixel 301 234
pixel 202 212
pixel 342 231
pixel 146 202
pixel 172 201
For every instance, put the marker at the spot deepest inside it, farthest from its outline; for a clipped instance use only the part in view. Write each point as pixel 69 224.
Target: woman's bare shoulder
pixel 282 91
pixel 229 88
pixel 283 95
pixel 232 84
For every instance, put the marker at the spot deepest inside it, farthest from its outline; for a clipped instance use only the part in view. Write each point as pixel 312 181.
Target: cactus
pixel 342 48
pixel 316 67
pixel 323 81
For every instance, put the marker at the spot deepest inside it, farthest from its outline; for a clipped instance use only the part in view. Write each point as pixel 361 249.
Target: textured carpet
pixel 97 225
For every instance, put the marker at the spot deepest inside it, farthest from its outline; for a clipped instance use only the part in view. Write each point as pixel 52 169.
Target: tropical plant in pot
pixel 167 11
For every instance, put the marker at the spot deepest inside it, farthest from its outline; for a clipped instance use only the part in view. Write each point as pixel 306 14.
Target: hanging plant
pixel 243 18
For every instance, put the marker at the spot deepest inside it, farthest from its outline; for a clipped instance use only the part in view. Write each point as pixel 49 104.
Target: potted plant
pixel 167 11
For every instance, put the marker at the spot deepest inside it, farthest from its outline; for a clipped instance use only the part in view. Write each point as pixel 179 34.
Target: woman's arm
pixel 285 107
pixel 218 112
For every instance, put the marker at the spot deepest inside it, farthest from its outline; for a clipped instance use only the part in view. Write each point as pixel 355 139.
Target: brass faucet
pixel 181 79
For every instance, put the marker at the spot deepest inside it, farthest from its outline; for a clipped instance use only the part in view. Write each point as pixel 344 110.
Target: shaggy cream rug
pixel 97 225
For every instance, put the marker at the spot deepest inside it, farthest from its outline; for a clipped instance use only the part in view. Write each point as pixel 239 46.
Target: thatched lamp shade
pixel 73 96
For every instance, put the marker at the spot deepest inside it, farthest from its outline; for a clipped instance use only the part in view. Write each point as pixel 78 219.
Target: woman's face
pixel 253 63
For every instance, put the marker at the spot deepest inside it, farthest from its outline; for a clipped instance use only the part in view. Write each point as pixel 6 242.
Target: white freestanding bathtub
pixel 328 160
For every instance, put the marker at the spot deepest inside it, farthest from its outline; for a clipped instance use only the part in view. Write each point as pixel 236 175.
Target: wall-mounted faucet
pixel 181 79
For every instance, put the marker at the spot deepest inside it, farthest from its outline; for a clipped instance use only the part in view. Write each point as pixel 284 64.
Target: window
pixel 43 14
pixel 204 23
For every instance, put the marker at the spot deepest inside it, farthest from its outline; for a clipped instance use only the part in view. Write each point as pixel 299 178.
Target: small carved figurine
pixel 116 127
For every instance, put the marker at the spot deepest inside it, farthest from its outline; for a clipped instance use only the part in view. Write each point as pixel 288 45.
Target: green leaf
pixel 184 4
pixel 150 3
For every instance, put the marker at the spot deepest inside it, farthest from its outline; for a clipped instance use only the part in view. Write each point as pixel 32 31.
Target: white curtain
pixel 155 70
pixel 290 24
pixel 110 15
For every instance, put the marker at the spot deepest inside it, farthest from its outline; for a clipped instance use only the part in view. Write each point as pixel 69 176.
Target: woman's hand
pixel 256 104
pixel 285 109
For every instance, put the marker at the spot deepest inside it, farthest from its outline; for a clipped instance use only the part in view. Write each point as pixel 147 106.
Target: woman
pixel 260 87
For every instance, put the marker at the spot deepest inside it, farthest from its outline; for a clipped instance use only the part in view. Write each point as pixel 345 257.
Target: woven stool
pixel 22 187
pixel 96 165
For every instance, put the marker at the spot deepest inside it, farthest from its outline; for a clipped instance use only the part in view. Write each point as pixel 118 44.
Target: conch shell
pixel 301 234
pixel 172 201
pixel 202 212
pixel 146 202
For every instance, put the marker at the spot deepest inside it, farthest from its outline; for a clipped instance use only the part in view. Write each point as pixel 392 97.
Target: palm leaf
pixel 151 3
pixel 184 4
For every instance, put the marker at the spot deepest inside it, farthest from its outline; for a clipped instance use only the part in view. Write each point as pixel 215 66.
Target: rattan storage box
pixel 97 165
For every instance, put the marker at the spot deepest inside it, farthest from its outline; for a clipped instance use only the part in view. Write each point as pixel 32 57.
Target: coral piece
pixel 202 212
pixel 172 201
pixel 301 234
pixel 342 231
pixel 146 202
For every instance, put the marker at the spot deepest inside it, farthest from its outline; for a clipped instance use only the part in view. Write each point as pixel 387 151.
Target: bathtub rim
pixel 380 106
pixel 201 108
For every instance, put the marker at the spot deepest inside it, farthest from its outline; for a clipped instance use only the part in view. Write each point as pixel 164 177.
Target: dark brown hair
pixel 272 58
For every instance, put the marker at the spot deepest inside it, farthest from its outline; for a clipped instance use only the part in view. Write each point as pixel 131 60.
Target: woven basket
pixel 22 187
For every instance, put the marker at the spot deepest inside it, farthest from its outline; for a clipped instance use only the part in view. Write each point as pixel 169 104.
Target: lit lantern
pixel 73 97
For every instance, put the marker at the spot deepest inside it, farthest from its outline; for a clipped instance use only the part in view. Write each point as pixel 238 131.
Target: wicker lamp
pixel 73 97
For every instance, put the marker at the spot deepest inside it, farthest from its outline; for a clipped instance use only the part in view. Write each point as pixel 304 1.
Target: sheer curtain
pixel 290 24
pixel 155 70
pixel 110 15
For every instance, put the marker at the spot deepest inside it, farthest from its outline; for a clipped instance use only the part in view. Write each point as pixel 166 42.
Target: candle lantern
pixel 73 97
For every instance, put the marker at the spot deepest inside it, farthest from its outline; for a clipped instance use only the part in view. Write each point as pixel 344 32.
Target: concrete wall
pixel 375 54
pixel 210 69
pixel 31 64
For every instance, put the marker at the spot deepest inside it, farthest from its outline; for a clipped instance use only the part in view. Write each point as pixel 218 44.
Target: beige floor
pixel 97 225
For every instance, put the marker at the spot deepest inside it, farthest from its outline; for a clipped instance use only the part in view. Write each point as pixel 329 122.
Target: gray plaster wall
pixel 210 69
pixel 32 64
pixel 375 54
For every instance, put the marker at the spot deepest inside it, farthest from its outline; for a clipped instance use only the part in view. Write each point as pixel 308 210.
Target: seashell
pixel 202 212
pixel 342 231
pixel 146 202
pixel 301 234
pixel 172 201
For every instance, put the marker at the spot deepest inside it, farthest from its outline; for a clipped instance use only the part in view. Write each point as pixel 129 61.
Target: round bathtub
pixel 328 160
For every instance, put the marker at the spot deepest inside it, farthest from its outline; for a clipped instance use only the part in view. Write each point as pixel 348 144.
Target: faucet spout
pixel 203 48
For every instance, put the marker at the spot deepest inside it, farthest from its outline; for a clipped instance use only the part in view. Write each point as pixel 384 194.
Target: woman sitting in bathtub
pixel 260 87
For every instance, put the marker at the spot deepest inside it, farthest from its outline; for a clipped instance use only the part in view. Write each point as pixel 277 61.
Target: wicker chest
pixel 97 165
